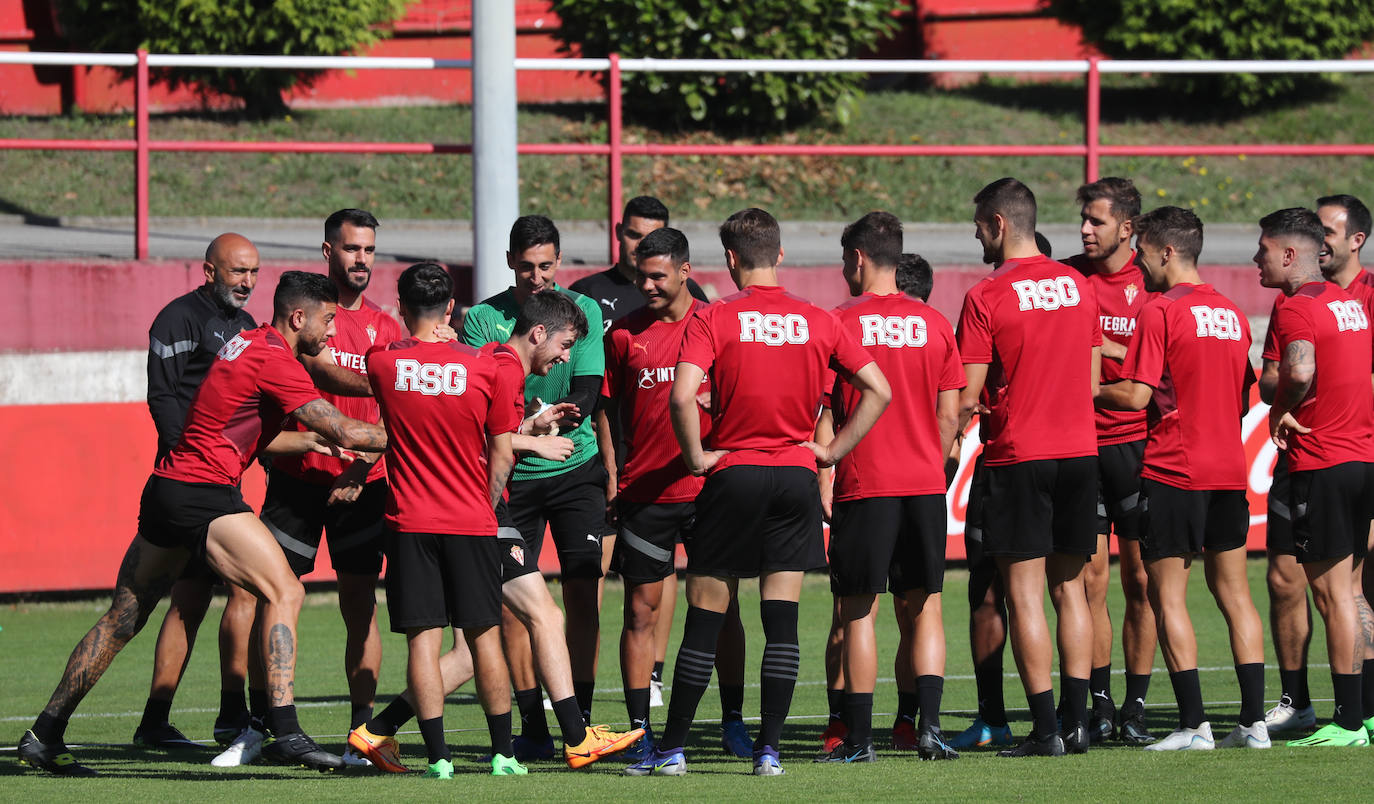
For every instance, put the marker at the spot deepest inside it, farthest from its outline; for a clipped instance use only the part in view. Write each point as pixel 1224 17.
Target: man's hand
pixel 827 496
pixel 551 418
pixel 823 459
pixel 1282 427
pixel 553 448
pixel 445 333
pixel 701 464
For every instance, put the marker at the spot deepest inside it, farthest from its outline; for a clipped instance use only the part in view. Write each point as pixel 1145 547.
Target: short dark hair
pixel 645 206
pixel 878 235
pixel 1043 243
pixel 333 225
pixel 1171 226
pixel 1294 222
pixel 1120 193
pixel 295 289
pixel 529 231
pixel 1357 217
pixel 664 242
pixel 425 288
pixel 754 236
pixel 554 310
pixel 1012 200
pixel 914 276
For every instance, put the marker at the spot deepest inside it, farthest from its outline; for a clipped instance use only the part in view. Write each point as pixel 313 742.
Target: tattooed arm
pixel 326 420
pixel 500 459
pixel 333 378
pixel 1295 373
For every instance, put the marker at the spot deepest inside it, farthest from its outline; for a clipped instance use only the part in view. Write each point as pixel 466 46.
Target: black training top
pixel 617 295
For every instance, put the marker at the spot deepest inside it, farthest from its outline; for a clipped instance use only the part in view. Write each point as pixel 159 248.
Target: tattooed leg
pixel 1364 619
pixel 145 575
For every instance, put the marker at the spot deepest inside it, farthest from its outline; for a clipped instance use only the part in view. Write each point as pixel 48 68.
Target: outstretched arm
pixel 332 378
pixel 1124 395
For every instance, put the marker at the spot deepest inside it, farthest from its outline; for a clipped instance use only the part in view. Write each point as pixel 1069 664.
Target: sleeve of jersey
pixel 1292 322
pixel 477 330
pixel 502 416
pixel 610 384
pixel 1271 336
pixel 1145 358
pixel 975 328
pixel 285 381
pixel 698 343
pixel 1091 293
pixel 588 356
pixel 848 356
pixel 952 375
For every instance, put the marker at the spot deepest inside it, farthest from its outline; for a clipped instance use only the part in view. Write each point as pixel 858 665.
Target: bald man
pixel 182 343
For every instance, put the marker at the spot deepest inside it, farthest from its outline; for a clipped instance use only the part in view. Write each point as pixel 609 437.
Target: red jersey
pixel 440 402
pixel 1034 322
pixel 914 346
pixel 766 352
pixel 355 332
pixel 641 360
pixel 253 384
pixel 1339 406
pixel 513 372
pixel 1362 289
pixel 1120 298
pixel 1192 346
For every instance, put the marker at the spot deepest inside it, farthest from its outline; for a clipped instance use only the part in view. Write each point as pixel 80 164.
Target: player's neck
pixel 1020 248
pixel 626 270
pixel 879 283
pixel 422 329
pixel 349 299
pixel 1182 275
pixel 1114 262
pixel 289 335
pixel 521 346
pixel 1349 273
pixel 679 309
pixel 1299 277
pixel 757 277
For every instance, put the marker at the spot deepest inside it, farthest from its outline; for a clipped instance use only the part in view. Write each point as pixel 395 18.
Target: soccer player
pixel 1323 415
pixel 182 343
pixel 569 496
pixel 313 495
pixel 758 514
pixel 1029 334
pixel 1189 365
pixel 545 331
pixel 888 529
pixel 192 505
pixel 1346 222
pixel 1109 264
pixel 914 276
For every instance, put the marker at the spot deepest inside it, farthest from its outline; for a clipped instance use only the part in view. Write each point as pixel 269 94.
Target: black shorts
pixel 515 559
pixel 437 580
pixel 297 514
pixel 982 569
pixel 1278 532
pixel 1332 509
pixel 1035 508
pixel 573 506
pixel 647 538
pixel 1182 522
pixel 897 543
pixel 756 519
pixel 1118 488
pixel 173 513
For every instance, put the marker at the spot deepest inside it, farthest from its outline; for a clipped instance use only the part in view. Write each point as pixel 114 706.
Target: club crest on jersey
pixel 1131 292
pixel 371 334
pixel 518 553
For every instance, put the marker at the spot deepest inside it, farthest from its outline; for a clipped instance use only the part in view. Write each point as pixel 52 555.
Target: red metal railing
pixel 615 149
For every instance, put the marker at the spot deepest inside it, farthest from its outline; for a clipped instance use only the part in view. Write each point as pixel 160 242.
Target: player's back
pixel 1034 322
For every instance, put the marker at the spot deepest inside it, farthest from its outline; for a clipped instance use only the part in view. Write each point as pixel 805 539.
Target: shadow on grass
pixel 31 218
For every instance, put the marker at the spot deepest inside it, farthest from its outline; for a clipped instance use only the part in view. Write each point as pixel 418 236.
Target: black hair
pixel 754 236
pixel 878 235
pixel 554 310
pixel 1171 226
pixel 664 242
pixel 1120 193
pixel 529 231
pixel 1295 222
pixel 296 289
pixel 1012 200
pixel 425 288
pixel 647 207
pixel 333 225
pixel 914 276
pixel 1043 244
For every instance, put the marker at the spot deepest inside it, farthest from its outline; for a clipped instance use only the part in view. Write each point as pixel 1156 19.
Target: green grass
pixel 37 637
pixel 1222 189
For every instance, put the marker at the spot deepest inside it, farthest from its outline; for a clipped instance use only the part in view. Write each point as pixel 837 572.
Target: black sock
pixel 392 718
pixel 929 691
pixel 731 702
pixel 283 721
pixel 361 714
pixel 858 714
pixel 1294 683
pixel 1251 678
pixel 987 675
pixel 257 704
pixel 156 712
pixel 498 726
pixel 637 707
pixel 232 706
pixel 1074 692
pixel 533 724
pixel 436 746
pixel 50 729
pixel 1043 721
pixel 834 700
pixel 1100 685
pixel 1188 693
pixel 696 658
pixel 1137 687
pixel 657 674
pixel 1367 691
pixel 570 722
pixel 908 704
pixel 781 661
pixel 1346 690
pixel 583 691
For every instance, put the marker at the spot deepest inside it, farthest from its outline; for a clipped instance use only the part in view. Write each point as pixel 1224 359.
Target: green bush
pixel 702 29
pixel 230 27
pixel 1224 29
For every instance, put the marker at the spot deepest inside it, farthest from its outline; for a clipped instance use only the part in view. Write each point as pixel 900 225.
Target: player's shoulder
pixel 191 306
pixel 632 323
pixel 588 284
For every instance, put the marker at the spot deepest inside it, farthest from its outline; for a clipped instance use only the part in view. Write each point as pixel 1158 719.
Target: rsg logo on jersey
pixel 893 330
pixel 233 348
pixel 1046 294
pixel 431 379
pixel 1217 322
pixel 1350 315
pixel 772 329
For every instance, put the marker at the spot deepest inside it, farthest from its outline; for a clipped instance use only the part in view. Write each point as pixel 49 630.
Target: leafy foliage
pixel 230 27
pixel 1224 29
pixel 761 29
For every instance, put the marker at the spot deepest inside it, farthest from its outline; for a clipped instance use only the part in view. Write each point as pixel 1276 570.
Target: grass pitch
pixel 37 638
